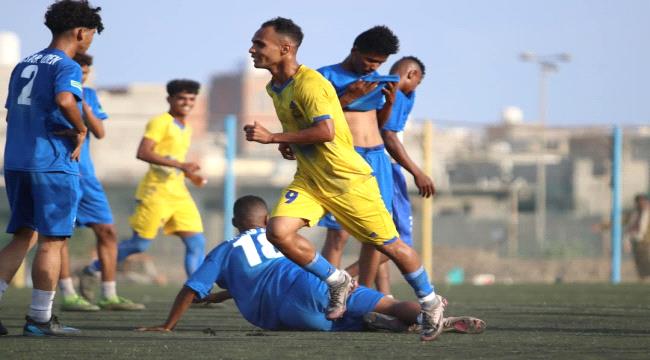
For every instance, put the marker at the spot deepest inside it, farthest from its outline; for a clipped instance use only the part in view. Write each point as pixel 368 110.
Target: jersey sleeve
pixel 93 101
pixel 397 119
pixel 68 79
pixel 156 129
pixel 318 100
pixel 204 278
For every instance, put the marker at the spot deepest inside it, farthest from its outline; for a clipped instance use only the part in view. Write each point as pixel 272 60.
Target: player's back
pixel 33 115
pixel 255 273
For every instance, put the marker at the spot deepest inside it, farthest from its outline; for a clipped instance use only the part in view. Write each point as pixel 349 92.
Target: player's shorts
pixel 43 201
pixel 402 215
pixel 360 211
pixel 173 213
pixel 305 305
pixel 381 168
pixel 93 206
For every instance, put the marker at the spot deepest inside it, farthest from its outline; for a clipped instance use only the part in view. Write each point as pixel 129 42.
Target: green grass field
pixel 524 322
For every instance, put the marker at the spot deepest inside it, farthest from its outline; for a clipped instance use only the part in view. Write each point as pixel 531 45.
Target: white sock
pixel 41 308
pixel 3 287
pixel 108 289
pixel 67 287
pixel 335 278
pixel 431 298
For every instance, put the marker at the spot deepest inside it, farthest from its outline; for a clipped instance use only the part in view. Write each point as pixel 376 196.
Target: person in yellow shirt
pixel 330 176
pixel 162 199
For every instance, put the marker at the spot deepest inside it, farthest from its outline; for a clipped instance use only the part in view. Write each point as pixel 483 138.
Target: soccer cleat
pixel 381 322
pixel 119 303
pixel 432 318
pixel 50 328
pixel 3 329
pixel 339 294
pixel 88 282
pixel 464 325
pixel 77 303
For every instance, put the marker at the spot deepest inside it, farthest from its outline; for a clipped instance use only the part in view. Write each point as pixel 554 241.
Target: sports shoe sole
pixel 464 325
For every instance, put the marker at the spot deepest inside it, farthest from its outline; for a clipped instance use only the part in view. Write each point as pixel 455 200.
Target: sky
pixel 470 48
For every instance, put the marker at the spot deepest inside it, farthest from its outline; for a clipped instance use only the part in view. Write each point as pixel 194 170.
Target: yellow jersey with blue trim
pixel 172 140
pixel 329 168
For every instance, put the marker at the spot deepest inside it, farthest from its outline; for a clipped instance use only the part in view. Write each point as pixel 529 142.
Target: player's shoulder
pixel 329 69
pixel 161 119
pixel 310 80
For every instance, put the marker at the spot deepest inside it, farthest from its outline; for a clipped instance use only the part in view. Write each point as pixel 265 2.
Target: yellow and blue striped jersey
pixel 330 168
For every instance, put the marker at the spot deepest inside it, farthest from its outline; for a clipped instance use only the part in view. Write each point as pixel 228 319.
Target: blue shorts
pixel 402 215
pixel 381 167
pixel 43 201
pixel 93 206
pixel 305 305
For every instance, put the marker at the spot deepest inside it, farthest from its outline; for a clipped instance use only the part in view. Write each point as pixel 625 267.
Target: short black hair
pixel 417 61
pixel 286 27
pixel 249 206
pixel 182 85
pixel 64 15
pixel 83 59
pixel 379 40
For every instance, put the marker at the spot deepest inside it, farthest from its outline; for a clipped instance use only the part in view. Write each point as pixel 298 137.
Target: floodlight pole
pixel 547 64
pixel 230 125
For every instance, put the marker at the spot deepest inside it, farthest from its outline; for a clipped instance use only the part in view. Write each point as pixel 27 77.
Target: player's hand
pixel 286 151
pixel 196 179
pixel 189 167
pixel 258 133
pixel 78 136
pixel 358 89
pixel 160 328
pixel 425 185
pixel 389 91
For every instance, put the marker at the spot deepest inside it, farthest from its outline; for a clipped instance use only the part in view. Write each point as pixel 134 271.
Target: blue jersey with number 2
pixel 33 116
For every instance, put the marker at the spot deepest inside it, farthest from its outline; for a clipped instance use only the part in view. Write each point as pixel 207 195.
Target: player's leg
pixel 295 209
pixel 194 250
pixel 382 282
pixel 71 300
pixel 360 212
pixel 186 223
pixel 335 241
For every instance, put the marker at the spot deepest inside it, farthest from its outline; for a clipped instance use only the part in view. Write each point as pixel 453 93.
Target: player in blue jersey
pixel 411 72
pixel 273 293
pixel 45 134
pixel 94 212
pixel 353 79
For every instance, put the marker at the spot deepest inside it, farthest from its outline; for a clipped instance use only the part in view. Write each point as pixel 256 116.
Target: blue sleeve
pixel 68 79
pixel 203 279
pixel 90 96
pixel 395 122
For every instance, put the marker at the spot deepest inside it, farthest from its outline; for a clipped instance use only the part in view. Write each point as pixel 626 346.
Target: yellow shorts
pixel 360 211
pixel 173 214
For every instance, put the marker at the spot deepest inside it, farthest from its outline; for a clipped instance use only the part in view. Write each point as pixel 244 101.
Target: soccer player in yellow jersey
pixel 330 175
pixel 162 197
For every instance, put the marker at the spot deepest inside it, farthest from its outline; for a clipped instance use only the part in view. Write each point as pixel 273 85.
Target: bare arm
pixel 95 124
pixel 216 298
pixel 397 151
pixel 146 153
pixel 67 103
pixel 320 132
pixel 181 304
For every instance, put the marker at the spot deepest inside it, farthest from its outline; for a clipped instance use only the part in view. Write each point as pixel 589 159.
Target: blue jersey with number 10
pixel 254 272
pixel 33 116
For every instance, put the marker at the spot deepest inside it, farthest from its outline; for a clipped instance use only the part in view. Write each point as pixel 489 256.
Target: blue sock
pixel 419 281
pixel 320 267
pixel 134 245
pixel 194 252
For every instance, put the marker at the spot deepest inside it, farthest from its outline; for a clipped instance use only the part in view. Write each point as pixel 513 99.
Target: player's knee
pixel 106 234
pixel 195 244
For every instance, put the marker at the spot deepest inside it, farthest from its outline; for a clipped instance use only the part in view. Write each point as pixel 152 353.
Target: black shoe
pixel 3 329
pixel 50 328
